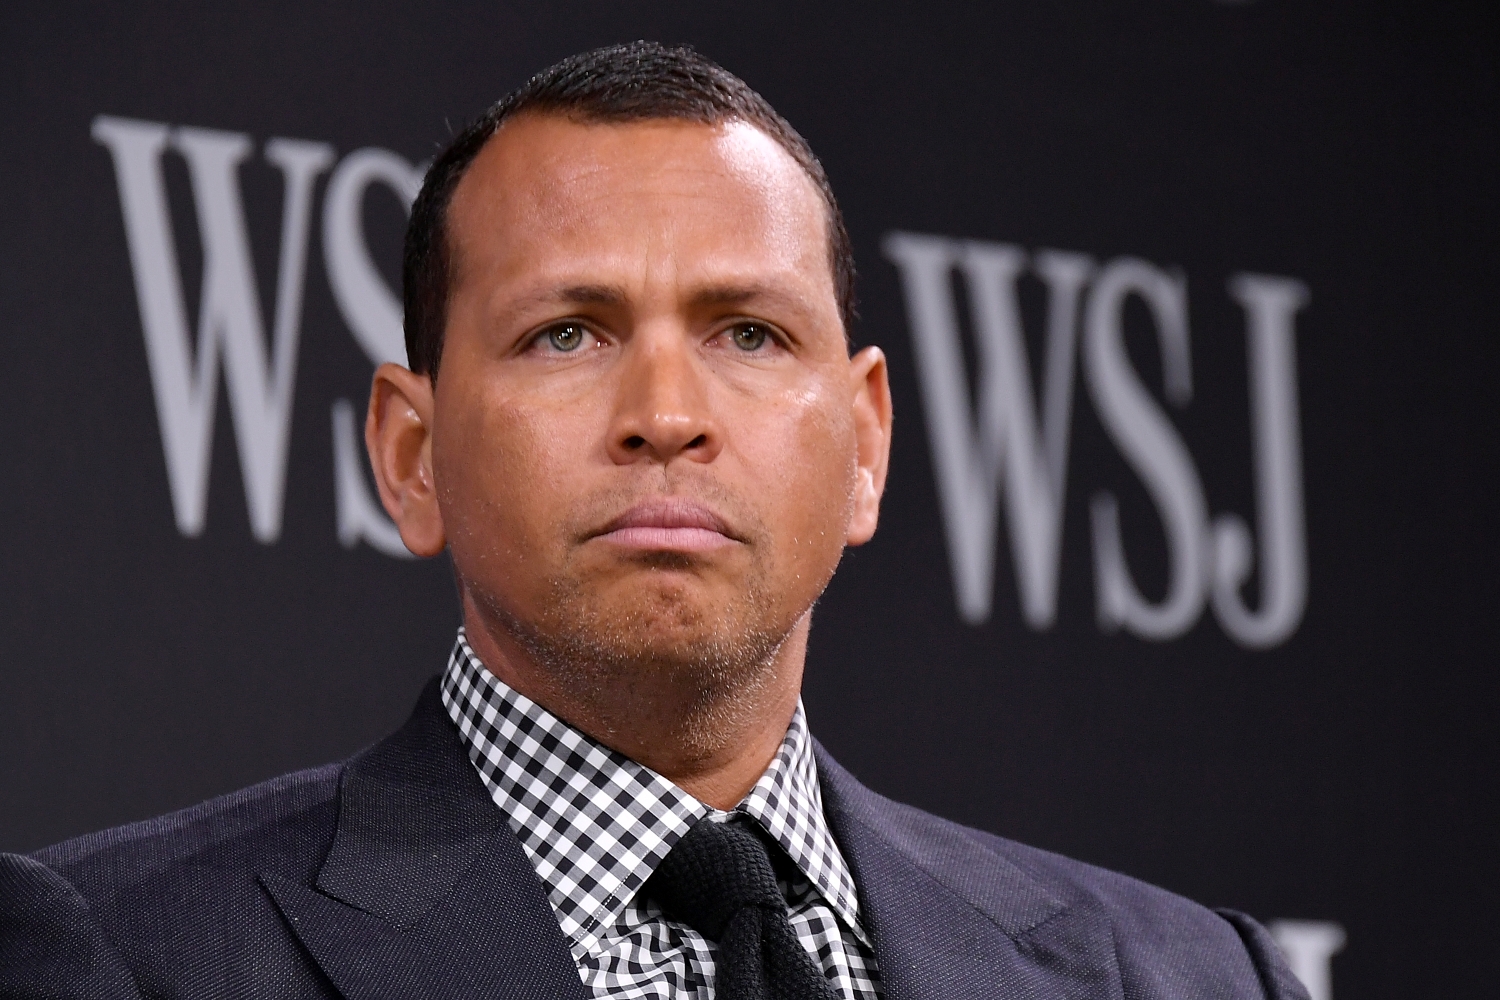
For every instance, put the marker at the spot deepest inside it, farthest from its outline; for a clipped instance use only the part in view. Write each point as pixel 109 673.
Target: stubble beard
pixel 700 672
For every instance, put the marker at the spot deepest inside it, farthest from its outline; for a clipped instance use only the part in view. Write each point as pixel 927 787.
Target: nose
pixel 663 408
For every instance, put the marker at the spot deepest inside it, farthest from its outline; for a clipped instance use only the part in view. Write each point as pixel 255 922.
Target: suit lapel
pixel 426 891
pixel 952 918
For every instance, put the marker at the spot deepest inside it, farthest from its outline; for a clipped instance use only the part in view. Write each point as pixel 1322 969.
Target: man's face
pixel 646 432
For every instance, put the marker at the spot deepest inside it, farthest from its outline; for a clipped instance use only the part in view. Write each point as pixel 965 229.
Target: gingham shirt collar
pixel 596 824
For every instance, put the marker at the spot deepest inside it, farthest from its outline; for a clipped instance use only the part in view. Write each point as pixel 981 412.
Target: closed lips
pixel 668 523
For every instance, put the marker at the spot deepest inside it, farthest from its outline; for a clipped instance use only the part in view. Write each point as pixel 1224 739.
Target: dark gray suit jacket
pixel 394 875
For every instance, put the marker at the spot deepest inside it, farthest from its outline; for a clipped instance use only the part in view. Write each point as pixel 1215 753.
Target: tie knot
pixel 715 871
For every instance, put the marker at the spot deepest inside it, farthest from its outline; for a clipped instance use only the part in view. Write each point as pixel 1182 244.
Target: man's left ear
pixel 398 435
pixel 872 435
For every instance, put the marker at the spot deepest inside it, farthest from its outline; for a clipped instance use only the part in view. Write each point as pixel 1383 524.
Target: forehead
pixel 548 191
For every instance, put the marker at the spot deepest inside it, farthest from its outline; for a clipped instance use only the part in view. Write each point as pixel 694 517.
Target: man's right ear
pixel 398 436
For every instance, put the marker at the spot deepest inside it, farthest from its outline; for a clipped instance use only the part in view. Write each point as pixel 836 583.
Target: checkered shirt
pixel 596 824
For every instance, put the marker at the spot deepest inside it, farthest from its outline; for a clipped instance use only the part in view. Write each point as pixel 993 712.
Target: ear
pixel 872 435
pixel 398 436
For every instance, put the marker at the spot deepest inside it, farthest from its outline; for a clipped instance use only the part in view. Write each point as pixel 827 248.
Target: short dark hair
pixel 638 81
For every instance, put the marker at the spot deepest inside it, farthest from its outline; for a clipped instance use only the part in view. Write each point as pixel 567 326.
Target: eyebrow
pixel 583 295
pixel 710 295
pixel 729 295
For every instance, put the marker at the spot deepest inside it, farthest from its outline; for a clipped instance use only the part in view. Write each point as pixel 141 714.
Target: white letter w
pixel 997 440
pixel 229 321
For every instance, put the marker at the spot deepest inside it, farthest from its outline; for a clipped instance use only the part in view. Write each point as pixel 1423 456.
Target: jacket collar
pixel 952 917
pixel 426 891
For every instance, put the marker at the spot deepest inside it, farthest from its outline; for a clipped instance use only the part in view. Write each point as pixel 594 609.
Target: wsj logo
pixel 1003 445
pixel 999 445
pixel 231 329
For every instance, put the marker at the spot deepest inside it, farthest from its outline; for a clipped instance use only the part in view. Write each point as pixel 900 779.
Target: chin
pixel 684 628
pixel 667 596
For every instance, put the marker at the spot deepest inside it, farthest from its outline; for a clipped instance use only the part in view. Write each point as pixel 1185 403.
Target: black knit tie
pixel 719 881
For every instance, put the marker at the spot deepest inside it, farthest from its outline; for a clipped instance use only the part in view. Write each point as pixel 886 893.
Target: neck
pixel 713 744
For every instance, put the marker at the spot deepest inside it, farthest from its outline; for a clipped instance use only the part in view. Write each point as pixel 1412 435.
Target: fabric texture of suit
pixel 395 875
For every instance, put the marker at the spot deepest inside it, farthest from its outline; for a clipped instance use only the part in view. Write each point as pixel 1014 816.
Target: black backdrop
pixel 1344 774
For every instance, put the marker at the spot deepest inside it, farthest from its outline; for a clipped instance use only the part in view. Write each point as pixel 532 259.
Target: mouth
pixel 668 524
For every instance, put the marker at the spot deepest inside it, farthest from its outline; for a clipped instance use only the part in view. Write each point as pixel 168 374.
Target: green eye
pixel 568 337
pixel 749 336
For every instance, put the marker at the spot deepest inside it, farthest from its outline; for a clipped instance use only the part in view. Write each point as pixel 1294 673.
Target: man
pixel 633 421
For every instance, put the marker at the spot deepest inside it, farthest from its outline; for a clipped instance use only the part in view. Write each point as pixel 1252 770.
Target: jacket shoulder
pixel 169 906
pixel 1136 908
pixel 1166 945
pixel 1163 944
pixel 281 825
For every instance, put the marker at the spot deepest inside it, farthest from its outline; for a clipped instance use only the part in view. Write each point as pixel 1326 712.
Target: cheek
pixel 500 468
pixel 812 464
